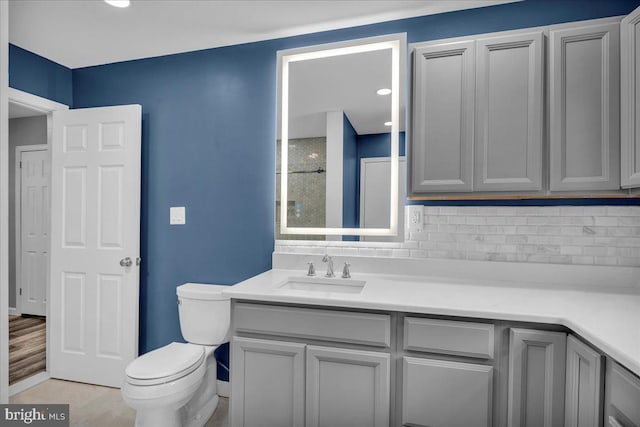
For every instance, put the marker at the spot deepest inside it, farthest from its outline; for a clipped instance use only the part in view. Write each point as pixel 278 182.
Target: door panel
pixel 267 383
pixel 585 108
pixel 536 378
pixel 95 223
pixel 347 388
pixel 630 102
pixel 442 143
pixel 583 405
pixel 509 92
pixel 34 230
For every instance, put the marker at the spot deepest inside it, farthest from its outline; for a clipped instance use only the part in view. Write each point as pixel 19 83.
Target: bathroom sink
pixel 323 284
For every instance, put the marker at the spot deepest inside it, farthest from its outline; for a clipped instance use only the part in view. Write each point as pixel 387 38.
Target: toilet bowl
pixel 175 385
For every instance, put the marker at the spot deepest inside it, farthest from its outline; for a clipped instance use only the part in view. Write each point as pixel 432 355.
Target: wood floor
pixel 27 347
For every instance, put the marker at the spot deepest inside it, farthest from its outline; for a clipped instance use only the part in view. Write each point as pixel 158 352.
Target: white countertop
pixel 607 316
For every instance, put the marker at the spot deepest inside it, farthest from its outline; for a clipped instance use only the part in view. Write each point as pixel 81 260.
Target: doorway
pixel 29 222
pixel 28 242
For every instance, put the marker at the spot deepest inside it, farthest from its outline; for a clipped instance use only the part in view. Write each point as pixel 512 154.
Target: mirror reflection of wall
pixel 339 112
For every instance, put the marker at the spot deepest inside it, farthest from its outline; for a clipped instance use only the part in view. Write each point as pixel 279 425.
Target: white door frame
pixel 18 211
pixel 45 106
pixel 4 202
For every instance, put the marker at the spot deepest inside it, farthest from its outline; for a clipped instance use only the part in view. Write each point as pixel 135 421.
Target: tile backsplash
pixel 590 235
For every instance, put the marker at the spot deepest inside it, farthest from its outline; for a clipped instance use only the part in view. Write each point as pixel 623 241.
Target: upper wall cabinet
pixel 584 80
pixel 477 116
pixel 508 144
pixel 443 110
pixel 630 91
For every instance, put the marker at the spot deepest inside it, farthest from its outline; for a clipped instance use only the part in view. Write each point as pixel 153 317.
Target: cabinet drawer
pixel 624 398
pixel 326 325
pixel 443 393
pixel 449 337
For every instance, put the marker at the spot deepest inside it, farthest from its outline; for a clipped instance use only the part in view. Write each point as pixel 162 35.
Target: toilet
pixel 175 385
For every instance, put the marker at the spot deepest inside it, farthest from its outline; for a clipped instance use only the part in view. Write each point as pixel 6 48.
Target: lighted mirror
pixel 340 140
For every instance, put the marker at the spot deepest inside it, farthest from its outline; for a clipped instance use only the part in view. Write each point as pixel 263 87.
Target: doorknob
pixel 126 262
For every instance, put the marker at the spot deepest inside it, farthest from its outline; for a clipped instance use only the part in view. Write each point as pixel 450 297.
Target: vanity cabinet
pixel 584 385
pixel 295 366
pixel 536 378
pixel 630 105
pixel 283 377
pixel 477 116
pixel 584 85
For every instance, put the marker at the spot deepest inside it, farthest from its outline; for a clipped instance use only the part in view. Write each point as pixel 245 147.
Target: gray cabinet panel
pixel 622 400
pixel 267 383
pixel 509 93
pixel 583 397
pixel 536 378
pixel 443 114
pixel 585 108
pixel 630 103
pixel 439 393
pixel 340 326
pixel 449 337
pixel 347 388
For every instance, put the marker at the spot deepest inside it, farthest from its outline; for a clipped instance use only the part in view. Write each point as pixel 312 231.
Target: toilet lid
pixel 165 364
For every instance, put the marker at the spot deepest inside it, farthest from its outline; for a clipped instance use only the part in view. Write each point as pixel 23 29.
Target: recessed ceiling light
pixel 388 123
pixel 383 91
pixel 118 3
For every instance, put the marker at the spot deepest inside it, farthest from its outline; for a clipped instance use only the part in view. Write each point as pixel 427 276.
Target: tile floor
pixel 95 406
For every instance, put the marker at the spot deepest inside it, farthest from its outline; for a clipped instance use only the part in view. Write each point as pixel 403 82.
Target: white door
pixel 34 231
pixel 375 191
pixel 95 217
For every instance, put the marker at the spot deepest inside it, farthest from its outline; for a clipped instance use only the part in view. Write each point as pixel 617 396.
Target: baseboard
pixel 13 311
pixel 27 383
pixel 224 389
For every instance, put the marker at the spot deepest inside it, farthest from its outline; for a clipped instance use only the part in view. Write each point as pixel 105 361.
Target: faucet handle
pixel 312 269
pixel 346 274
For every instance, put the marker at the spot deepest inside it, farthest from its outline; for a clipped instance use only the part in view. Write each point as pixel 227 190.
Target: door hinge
pixel 20 164
pixel 20 291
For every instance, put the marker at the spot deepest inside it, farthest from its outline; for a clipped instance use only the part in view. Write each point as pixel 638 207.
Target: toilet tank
pixel 205 313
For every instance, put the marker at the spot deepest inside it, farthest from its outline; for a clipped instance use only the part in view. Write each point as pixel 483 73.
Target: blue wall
pixel 350 177
pixel 32 73
pixel 208 132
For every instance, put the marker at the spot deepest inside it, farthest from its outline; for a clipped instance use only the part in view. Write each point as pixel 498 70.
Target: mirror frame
pixel 398 45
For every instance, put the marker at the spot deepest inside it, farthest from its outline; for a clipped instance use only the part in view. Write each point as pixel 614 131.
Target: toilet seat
pixel 166 364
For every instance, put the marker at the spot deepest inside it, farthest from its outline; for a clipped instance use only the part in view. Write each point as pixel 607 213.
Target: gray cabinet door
pixel 622 400
pixel 443 113
pixel 583 397
pixel 440 393
pixel 536 378
pixel 509 93
pixel 630 105
pixel 347 388
pixel 585 108
pixel 267 383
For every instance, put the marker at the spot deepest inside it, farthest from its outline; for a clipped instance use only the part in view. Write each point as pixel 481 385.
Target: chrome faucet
pixel 312 270
pixel 329 262
pixel 346 274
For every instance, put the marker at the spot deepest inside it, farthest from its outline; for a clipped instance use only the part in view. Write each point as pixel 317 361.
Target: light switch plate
pixel 177 215
pixel 414 218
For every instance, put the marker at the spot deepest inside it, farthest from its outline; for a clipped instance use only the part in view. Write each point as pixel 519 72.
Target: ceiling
pixel 80 33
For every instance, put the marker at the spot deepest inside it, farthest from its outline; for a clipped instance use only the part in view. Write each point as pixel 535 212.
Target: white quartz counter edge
pixel 610 319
